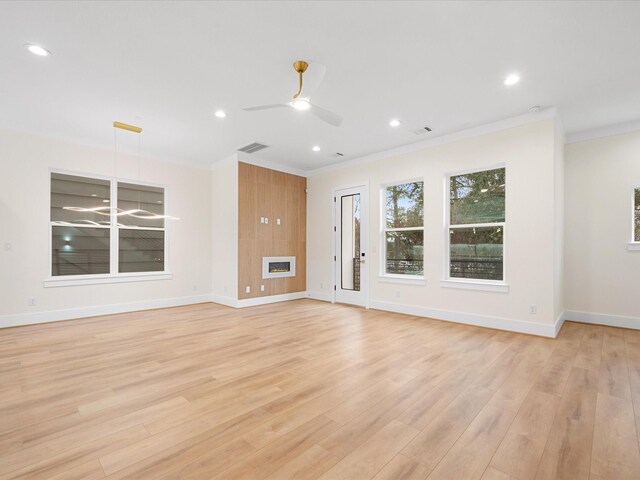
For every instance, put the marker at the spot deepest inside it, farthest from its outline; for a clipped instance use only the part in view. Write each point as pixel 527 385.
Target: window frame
pixel 398 277
pixel 633 243
pixel 113 276
pixel 500 286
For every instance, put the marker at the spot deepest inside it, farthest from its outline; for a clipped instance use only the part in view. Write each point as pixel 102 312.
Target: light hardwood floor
pixel 305 390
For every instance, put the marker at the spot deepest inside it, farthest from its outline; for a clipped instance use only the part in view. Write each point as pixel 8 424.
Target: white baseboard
pixel 68 314
pixel 559 322
pixel 520 326
pixel 545 330
pixel 227 301
pixel 604 319
pixel 251 302
pixel 325 297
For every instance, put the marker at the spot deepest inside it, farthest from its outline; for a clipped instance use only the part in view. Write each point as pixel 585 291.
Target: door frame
pixel 364 239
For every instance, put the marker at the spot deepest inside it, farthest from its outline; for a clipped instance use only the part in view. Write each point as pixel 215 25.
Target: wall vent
pixel 252 147
pixel 422 130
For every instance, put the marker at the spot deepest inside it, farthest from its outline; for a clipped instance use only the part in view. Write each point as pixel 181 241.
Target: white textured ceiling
pixel 167 66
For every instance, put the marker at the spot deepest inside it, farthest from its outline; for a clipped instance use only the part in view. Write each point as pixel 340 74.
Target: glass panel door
pixel 350 238
pixel 350 261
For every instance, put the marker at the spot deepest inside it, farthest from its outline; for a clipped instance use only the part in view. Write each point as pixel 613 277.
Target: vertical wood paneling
pixel 268 193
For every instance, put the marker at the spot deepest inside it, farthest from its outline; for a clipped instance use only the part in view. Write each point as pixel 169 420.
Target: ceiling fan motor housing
pixel 300 66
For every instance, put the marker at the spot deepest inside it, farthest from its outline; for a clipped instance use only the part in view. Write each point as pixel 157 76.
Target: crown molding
pixel 260 162
pixel 497 126
pixel 602 132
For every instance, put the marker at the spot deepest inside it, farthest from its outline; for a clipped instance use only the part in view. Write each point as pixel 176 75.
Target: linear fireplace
pixel 278 267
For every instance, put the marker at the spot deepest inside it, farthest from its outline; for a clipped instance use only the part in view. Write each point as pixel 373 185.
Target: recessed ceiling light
pixel 394 123
pixel 316 148
pixel 512 79
pixel 535 108
pixel 220 114
pixel 105 201
pixel 38 50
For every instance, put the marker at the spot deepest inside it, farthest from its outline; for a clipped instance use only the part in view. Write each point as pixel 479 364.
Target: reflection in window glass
pixel 80 217
pixel 79 200
pixel 140 250
pixel 476 253
pixel 404 229
pixel 142 202
pixel 79 250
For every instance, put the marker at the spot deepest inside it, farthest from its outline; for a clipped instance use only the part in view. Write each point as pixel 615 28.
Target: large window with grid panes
pixel 106 227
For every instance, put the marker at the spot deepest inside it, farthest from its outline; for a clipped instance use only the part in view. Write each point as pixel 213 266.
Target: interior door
pixel 350 260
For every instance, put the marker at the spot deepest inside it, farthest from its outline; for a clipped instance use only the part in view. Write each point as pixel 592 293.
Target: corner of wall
pixel 224 228
pixel 559 225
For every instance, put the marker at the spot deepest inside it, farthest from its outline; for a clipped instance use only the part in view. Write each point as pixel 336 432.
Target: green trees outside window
pixel 404 229
pixel 476 225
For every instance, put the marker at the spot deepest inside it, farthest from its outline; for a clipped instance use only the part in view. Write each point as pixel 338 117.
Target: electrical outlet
pixel 533 309
pixel 247 289
pixel 262 288
pixel 277 221
pixel 261 219
pixel 31 301
pixel 8 247
pixel 266 219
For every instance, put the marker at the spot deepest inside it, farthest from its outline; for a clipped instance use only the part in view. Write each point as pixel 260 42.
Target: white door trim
pixel 364 238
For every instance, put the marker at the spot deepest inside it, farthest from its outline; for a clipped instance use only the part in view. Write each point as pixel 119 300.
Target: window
pixel 140 236
pixel 403 232
pixel 104 227
pixel 476 223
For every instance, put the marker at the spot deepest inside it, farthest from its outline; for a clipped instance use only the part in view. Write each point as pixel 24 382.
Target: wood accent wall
pixel 263 192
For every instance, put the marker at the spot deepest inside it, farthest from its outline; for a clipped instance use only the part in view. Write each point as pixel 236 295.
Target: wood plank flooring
pixel 309 390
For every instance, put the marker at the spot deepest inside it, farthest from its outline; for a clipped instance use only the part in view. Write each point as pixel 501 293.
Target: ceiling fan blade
pixel 265 107
pixel 313 78
pixel 329 117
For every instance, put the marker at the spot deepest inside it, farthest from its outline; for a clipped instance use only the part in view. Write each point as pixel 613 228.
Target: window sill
pixel 633 246
pixel 475 285
pixel 403 279
pixel 76 280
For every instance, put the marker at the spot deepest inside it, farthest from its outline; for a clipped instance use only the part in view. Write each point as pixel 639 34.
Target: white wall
pixel 528 152
pixel 24 222
pixel 224 246
pixel 602 278
pixel 597 280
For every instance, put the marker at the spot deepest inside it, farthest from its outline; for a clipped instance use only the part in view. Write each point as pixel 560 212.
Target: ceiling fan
pixel 298 102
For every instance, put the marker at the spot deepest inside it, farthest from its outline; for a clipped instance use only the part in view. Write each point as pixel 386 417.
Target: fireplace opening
pixel 279 267
pixel 276 267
